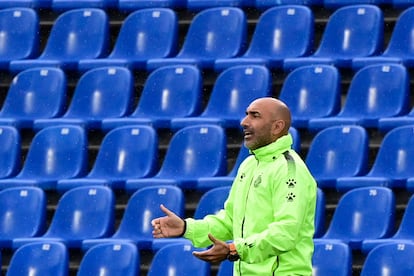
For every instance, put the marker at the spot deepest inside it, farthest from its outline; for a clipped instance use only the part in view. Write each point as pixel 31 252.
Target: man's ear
pixel 278 127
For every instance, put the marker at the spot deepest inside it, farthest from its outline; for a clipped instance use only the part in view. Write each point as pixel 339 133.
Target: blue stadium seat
pixel 133 5
pixel 206 39
pixel 338 151
pixel 20 35
pixel 10 151
pixel 34 4
pixel 332 258
pixel 312 91
pixel 410 184
pixel 375 92
pixel 275 38
pixel 357 216
pixel 401 4
pixel 389 259
pixel 54 153
pixel 100 93
pixel 266 4
pixel 387 123
pixel 197 5
pixel 393 164
pixel 169 92
pixel 22 214
pixel 193 152
pixel 81 213
pixel 211 202
pixel 125 152
pixel 63 5
pixel 38 93
pixel 320 213
pixel 144 34
pixel 110 259
pixel 40 258
pixel 76 34
pixel 232 92
pixel 351 31
pixel 225 268
pixel 335 4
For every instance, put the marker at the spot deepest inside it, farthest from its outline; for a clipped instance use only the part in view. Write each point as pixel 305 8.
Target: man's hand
pixel 169 226
pixel 217 253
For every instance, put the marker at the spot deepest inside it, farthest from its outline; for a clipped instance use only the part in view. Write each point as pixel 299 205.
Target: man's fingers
pixel 212 238
pixel 166 210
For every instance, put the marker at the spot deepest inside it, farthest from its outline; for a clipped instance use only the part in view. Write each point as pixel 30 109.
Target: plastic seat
pixel 340 151
pixel 361 214
pixel 10 151
pixel 351 31
pixel 110 259
pixel 211 202
pixel 266 4
pixel 387 123
pixel 410 184
pixel 206 39
pixel 133 5
pixel 38 258
pixel 169 92
pixel 63 5
pixel 34 94
pixel 193 152
pixel 390 259
pixel 22 214
pixel 331 258
pixel 125 152
pixel 335 4
pixel 225 268
pixel 55 153
pixel 100 93
pixel 178 258
pixel 76 34
pixel 81 213
pixel 142 207
pixel 392 165
pixel 320 213
pixel 197 5
pixel 275 38
pixel 34 4
pixel 144 34
pixel 401 4
pixel 232 92
pixel 312 91
pixel 375 92
pixel 20 35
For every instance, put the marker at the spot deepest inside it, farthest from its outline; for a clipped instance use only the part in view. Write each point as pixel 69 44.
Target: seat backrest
pixel 225 268
pixel 331 258
pixel 178 258
pixel 320 213
pixel 401 41
pixel 10 151
pixel 113 258
pixel 242 154
pixel 62 5
pixel 30 258
pixel 352 31
pixel 25 3
pixel 389 259
pixel 211 202
pixel 406 226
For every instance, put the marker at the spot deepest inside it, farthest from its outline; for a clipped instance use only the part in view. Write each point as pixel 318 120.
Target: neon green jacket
pixel 269 214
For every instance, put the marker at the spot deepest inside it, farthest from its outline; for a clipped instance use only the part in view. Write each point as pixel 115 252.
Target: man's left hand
pixel 216 253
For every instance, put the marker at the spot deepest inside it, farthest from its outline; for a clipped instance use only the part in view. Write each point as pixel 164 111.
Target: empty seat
pixel 339 151
pixel 233 90
pixel 275 38
pixel 34 94
pixel 54 153
pixel 385 124
pixel 207 40
pixel 62 5
pixel 320 213
pixel 35 4
pixel 393 163
pixel 144 34
pixel 225 268
pixel 266 4
pixel 331 258
pixel 10 151
pixel 312 91
pixel 76 34
pixel 193 152
pixel 132 5
pixel 169 92
pixel 351 31
pixel 125 152
pixel 375 92
pixel 334 4
pixel 196 5
pixel 100 93
pixel 211 202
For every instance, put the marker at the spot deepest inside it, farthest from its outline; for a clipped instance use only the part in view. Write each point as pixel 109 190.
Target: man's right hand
pixel 169 226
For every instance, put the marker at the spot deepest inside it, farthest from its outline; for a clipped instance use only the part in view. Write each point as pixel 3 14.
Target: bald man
pixel 269 214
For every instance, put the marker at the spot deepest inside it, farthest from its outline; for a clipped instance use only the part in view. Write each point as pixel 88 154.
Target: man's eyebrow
pixel 252 112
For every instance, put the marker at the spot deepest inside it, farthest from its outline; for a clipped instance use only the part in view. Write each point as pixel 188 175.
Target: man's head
pixel 266 120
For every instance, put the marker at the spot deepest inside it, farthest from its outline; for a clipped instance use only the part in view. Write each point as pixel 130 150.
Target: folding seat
pixel 125 152
pixel 232 92
pixel 206 39
pixel 76 34
pixel 225 268
pixel 38 93
pixel 54 153
pixel 10 151
pixel 276 37
pixel 63 5
pixel 312 91
pixel 40 258
pixel 320 213
pixel 393 163
pixel 100 93
pixel 375 92
pixel 144 34
pixel 390 259
pixel 351 31
pixel 193 152
pixel 361 214
pixel 332 258
pixel 133 5
pixel 169 92
pixel 81 213
pixel 34 4
pixel 22 214
pixel 110 259
pixel 178 258
pixel 338 151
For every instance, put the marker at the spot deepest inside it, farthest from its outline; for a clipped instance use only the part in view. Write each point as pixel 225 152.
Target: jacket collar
pixel 273 150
